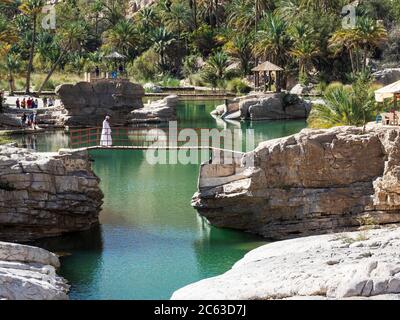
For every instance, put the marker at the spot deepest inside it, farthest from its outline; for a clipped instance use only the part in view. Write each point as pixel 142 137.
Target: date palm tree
pixel 31 8
pixel 162 39
pixel 366 36
pixel 70 37
pixel 272 40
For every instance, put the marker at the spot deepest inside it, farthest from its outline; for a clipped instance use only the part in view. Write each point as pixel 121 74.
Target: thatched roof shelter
pixel 264 68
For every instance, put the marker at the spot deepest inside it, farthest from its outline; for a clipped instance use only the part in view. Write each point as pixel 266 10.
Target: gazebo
pixel 263 69
pixel 391 91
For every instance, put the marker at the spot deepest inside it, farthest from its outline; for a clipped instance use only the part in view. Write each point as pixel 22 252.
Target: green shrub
pixel 168 81
pixel 237 85
pixel 144 68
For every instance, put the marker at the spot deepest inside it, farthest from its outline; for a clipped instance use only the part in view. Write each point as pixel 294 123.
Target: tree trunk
pixel 31 53
pixel 11 82
pixel 352 61
pixel 53 68
pixel 365 59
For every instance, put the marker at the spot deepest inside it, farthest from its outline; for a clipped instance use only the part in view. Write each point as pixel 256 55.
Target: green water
pixel 150 242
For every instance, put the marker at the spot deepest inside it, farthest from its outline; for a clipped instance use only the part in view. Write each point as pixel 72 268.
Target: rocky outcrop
pixel 387 76
pixel 46 194
pixel 87 103
pixel 315 182
pixel 359 265
pixel 29 273
pixel 269 106
pixel 159 111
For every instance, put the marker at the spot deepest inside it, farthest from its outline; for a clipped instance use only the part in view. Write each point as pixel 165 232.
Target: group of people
pixel 29 120
pixel 31 103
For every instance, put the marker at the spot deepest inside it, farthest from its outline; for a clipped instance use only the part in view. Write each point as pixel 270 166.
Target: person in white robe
pixel 106 139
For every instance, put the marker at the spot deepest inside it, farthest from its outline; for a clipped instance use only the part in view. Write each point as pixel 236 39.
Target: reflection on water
pixel 151 241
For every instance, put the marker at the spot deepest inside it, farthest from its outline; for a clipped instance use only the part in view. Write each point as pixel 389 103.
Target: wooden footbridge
pixel 158 138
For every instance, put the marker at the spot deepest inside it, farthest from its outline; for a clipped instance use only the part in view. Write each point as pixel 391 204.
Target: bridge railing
pixel 158 137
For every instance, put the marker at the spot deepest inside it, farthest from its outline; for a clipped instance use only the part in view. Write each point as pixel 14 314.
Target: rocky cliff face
pixel 355 265
pixel 87 104
pixel 315 182
pixel 46 194
pixel 29 273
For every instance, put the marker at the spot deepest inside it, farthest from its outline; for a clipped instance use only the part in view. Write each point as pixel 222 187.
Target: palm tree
pixel 31 8
pixel 162 39
pixel 177 18
pixel 272 40
pixel 122 36
pixel 371 35
pixel 241 48
pixel 345 106
pixel 13 63
pixel 366 36
pixel 193 9
pixel 305 51
pixel 70 36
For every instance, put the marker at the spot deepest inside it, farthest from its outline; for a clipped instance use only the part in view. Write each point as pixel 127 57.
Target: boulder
pixel 265 106
pixel 358 265
pixel 387 76
pixel 159 111
pixel 46 194
pixel 314 182
pixel 87 104
pixel 151 87
pixel 300 89
pixel 29 273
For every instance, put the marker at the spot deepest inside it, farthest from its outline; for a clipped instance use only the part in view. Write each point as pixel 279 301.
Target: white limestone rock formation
pixel 158 111
pixel 29 273
pixel 358 265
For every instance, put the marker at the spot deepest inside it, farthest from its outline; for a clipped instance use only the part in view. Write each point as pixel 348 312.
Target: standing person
pixel 18 104
pixel 23 103
pixel 34 120
pixel 44 102
pixel 33 104
pixel 29 103
pixel 23 119
pixel 97 71
pixel 106 139
pixel 36 103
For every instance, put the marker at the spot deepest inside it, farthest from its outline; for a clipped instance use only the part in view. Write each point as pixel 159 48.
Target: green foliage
pixel 168 81
pixel 145 67
pixel 302 36
pixel 346 105
pixel 238 86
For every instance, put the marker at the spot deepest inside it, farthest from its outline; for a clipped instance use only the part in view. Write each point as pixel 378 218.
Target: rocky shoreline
pixel 357 265
pixel 29 273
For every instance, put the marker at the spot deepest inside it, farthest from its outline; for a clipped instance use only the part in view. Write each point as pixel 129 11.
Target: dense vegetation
pixel 212 43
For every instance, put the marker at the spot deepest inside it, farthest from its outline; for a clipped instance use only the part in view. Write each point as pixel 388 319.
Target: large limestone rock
pixel 29 273
pixel 159 111
pixel 268 106
pixel 315 182
pixel 46 194
pixel 359 265
pixel 87 103
pixel 387 76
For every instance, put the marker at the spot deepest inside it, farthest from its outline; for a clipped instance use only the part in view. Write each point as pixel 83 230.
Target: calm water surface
pixel 150 242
